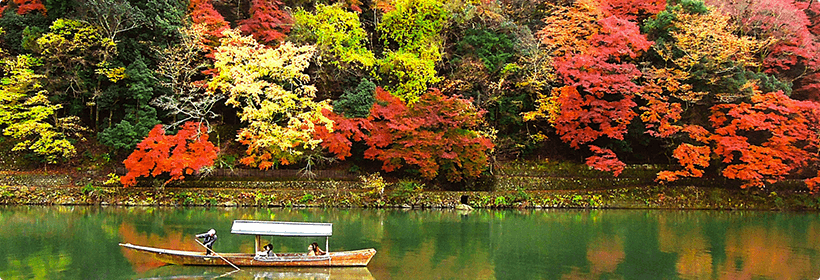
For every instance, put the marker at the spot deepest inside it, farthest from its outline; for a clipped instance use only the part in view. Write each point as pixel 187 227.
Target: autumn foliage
pixel 592 50
pixel 763 140
pixel 25 7
pixel 202 13
pixel 437 135
pixel 268 24
pixel 184 153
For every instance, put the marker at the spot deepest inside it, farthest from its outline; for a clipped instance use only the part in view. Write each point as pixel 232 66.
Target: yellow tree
pixel 28 116
pixel 273 93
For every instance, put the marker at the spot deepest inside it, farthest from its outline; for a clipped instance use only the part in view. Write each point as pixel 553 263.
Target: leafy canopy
pixel 28 116
pixel 184 153
pixel 272 91
pixel 438 135
pixel 339 36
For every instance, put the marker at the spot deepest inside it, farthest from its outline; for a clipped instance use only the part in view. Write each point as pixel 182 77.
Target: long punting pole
pixel 217 254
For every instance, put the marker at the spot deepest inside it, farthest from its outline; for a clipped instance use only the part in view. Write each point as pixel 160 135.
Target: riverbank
pixel 352 194
pixel 514 185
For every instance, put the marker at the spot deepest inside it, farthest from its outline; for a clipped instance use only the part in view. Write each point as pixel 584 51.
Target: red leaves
pixel 790 27
pixel 344 132
pixel 268 24
pixel 592 63
pixel 203 13
pixel 635 10
pixel 789 142
pixel 437 135
pixel 759 142
pixel 605 160
pixel 179 155
pixel 27 6
pixel 692 158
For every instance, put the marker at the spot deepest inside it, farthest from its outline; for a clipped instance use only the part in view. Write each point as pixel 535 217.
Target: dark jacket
pixel 208 238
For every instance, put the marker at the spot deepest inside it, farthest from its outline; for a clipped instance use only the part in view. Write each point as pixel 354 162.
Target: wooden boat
pixel 259 258
pixel 280 273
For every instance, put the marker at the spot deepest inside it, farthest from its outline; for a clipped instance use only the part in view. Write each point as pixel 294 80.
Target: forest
pixel 431 89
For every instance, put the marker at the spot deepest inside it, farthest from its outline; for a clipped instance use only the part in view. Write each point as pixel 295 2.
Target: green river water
pixel 64 242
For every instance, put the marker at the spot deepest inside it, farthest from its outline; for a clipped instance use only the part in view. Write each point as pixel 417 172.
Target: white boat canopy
pixel 281 228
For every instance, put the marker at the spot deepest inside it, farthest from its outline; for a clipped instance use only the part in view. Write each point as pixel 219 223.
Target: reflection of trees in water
pixel 740 245
pixel 571 244
pixel 41 265
pixel 57 241
pixel 142 262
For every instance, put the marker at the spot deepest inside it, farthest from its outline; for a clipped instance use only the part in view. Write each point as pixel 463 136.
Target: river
pixel 80 242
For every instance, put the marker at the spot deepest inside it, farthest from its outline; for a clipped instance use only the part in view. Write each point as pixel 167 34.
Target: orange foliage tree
pixel 767 138
pixel 438 135
pixel 182 154
pixel 707 101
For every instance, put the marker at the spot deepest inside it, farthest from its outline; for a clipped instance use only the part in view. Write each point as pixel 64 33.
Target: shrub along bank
pixel 514 186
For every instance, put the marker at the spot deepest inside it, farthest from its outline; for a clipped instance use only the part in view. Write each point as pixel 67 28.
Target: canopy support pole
pixel 257 244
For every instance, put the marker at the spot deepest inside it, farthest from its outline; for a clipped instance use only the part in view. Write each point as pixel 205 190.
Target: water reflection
pixel 81 243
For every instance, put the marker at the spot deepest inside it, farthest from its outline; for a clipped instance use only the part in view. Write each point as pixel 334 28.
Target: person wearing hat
pixel 210 238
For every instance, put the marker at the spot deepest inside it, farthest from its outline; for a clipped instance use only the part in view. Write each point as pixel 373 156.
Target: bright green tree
pixel 339 36
pixel 412 30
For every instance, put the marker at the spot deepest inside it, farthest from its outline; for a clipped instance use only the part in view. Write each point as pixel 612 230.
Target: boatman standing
pixel 210 238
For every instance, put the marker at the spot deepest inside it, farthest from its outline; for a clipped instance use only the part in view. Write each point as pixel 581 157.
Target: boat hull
pixel 331 259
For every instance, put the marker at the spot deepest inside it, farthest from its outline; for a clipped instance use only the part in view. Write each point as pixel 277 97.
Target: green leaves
pixel 415 27
pixel 356 103
pixel 494 49
pixel 338 35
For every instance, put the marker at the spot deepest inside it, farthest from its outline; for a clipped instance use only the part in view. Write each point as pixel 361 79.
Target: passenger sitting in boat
pixel 268 249
pixel 210 238
pixel 313 250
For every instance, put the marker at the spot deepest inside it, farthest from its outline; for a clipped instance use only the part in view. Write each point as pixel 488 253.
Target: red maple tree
pixel 438 135
pixel 203 13
pixel 268 24
pixel 25 7
pixel 178 155
pixel 759 141
pixel 594 65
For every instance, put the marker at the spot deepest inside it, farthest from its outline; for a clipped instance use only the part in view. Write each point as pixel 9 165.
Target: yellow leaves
pixel 269 85
pixel 114 75
pixel 709 39
pixel 671 82
pixel 548 107
pixel 25 111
